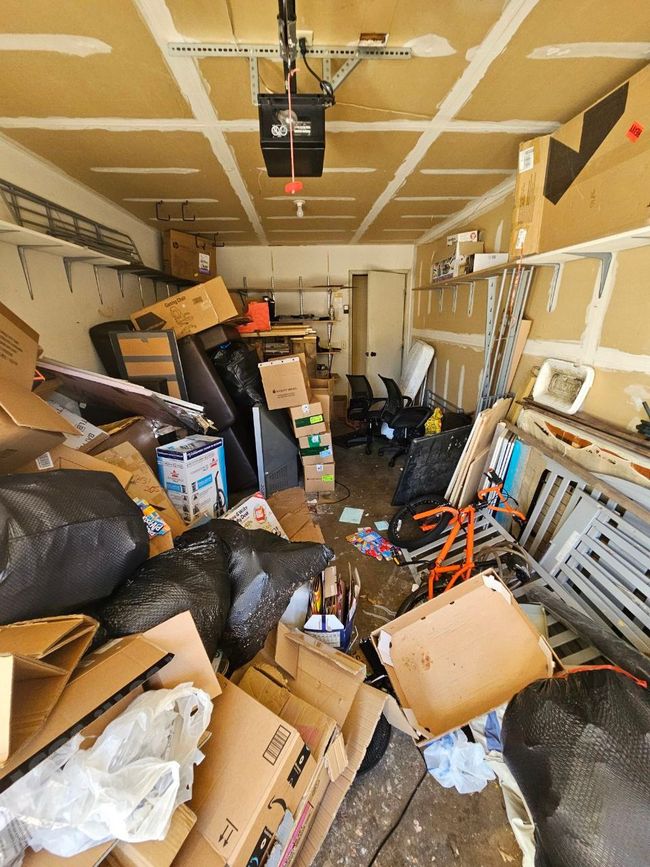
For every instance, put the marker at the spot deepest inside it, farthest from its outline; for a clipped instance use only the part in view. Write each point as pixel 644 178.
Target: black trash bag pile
pixel 265 570
pixel 67 538
pixel 192 577
pixel 579 747
pixel 236 364
pixel 235 582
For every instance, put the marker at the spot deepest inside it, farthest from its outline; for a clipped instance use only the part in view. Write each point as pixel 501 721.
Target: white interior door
pixel 385 327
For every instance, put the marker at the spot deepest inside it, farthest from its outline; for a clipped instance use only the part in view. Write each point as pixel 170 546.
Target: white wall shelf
pixel 29 239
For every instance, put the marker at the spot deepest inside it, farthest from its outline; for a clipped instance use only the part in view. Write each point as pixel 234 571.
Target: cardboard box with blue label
pixel 316 449
pixel 193 472
pixel 308 418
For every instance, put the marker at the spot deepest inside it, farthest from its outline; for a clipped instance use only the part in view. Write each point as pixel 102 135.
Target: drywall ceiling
pixel 89 86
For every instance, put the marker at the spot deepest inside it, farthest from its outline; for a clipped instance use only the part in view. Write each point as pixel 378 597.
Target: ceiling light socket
pixel 299 207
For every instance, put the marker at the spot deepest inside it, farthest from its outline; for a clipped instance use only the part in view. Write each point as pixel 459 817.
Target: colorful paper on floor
pixel 369 542
pixel 351 516
pixel 381 525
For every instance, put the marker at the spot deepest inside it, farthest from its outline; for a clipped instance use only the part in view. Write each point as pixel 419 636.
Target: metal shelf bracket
pixel 605 260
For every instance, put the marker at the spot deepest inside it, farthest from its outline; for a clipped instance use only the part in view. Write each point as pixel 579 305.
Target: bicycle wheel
pixel 418 597
pixel 404 531
pixel 377 746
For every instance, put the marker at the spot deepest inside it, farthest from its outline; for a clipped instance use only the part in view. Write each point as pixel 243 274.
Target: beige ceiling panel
pixel 396 89
pixel 473 151
pixel 396 209
pixel 328 207
pixel 125 74
pixel 420 184
pixel 77 152
pixel 557 89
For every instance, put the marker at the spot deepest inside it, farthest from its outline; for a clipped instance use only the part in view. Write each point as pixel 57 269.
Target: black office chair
pixel 364 410
pixel 406 420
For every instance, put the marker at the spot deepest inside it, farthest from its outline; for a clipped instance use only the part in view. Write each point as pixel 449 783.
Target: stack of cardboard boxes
pixel 287 386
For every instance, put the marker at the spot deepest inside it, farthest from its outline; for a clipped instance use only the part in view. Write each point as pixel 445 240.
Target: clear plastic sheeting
pixel 579 749
pixel 124 787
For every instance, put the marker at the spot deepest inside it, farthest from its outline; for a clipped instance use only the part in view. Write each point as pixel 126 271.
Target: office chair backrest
pixel 361 397
pixel 395 401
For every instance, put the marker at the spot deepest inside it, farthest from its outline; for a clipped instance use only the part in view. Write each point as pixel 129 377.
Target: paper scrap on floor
pixel 349 515
pixel 369 542
pixel 381 525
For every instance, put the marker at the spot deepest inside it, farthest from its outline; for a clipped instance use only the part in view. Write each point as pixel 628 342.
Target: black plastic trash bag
pixel 236 364
pixel 67 538
pixel 264 572
pixel 579 747
pixel 191 577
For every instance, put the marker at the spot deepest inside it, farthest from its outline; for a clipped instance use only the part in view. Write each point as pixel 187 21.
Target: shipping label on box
pixel 189 257
pixel 193 472
pixel 285 382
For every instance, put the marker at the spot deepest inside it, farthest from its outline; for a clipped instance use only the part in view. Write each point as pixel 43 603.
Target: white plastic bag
pixel 125 787
pixel 454 761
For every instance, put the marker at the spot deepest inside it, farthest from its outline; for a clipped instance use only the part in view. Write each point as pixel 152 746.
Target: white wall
pixel 313 263
pixel 63 318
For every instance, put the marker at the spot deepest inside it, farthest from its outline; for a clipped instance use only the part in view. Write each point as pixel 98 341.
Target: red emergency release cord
pixel 616 668
pixel 293 186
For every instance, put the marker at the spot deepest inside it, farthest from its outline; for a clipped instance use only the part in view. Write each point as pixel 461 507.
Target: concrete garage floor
pixel 439 826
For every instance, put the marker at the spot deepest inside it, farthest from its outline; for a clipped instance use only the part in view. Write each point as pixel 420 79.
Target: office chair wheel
pixel 391 462
pixel 368 450
pixel 381 452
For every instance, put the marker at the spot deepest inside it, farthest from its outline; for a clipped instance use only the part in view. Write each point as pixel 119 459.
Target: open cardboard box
pixel 103 685
pixel 28 425
pixel 37 658
pixel 285 382
pixel 460 655
pixel 188 312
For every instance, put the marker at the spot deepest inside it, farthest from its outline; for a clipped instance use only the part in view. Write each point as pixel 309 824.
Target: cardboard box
pixel 193 472
pixel 455 264
pixel 63 458
pixel 37 658
pixel 135 430
pixel 316 448
pixel 255 513
pixel 285 382
pixel 28 426
pixel 471 236
pixel 143 483
pixel 323 384
pixel 481 261
pixel 319 477
pixel 155 853
pixel 188 312
pixel 590 177
pixel 252 771
pixel 460 655
pixel 325 398
pixel 291 509
pixel 266 684
pixel 189 257
pixel 308 419
pixel 176 650
pixel 89 435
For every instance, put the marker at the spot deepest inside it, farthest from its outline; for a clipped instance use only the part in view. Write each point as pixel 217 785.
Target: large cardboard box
pixel 308 419
pixel 285 382
pixel 461 654
pixel 291 509
pixel 28 425
pixel 254 513
pixel 193 472
pixel 188 312
pixel 253 771
pixel 588 179
pixel 188 257
pixel 37 658
pixel 455 263
pixel 326 399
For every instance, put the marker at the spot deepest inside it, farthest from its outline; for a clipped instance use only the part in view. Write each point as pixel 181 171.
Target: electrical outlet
pixel 308 35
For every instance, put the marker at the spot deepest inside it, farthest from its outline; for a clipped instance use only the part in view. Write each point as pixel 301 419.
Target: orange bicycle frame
pixel 462 519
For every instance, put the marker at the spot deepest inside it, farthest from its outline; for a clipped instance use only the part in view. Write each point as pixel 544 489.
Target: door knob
pixel 373 354
pixel 367 354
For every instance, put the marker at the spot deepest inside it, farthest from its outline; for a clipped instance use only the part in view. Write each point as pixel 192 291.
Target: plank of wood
pixel 473 478
pixel 518 351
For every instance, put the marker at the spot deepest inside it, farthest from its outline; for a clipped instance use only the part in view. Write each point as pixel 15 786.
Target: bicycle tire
pixel 404 532
pixel 417 597
pixel 377 746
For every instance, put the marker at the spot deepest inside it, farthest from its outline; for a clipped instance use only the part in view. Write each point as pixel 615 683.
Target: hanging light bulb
pixel 299 207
